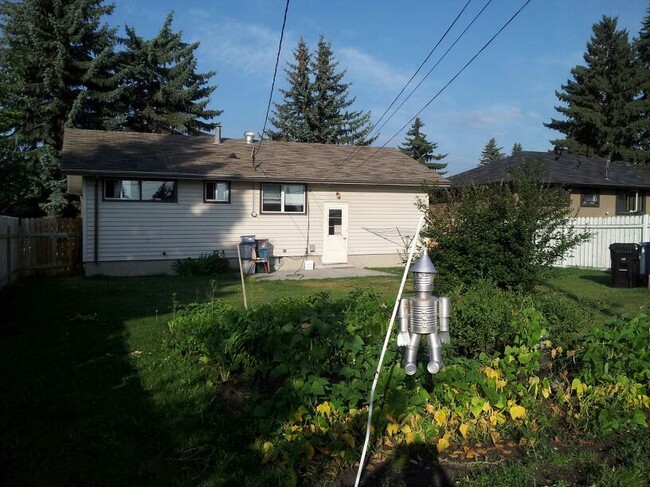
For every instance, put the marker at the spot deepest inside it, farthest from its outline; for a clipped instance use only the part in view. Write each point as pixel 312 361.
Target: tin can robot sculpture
pixel 423 314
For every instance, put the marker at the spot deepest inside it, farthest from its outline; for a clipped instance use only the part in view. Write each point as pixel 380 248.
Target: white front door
pixel 335 233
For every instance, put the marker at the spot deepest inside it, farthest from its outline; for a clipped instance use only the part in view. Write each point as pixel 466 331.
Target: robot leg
pixel 411 354
pixel 435 353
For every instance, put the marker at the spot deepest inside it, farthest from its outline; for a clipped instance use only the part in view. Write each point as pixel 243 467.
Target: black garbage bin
pixel 626 264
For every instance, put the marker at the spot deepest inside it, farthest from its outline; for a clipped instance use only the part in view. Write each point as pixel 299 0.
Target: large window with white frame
pixel 140 190
pixel 216 192
pixel 629 201
pixel 283 198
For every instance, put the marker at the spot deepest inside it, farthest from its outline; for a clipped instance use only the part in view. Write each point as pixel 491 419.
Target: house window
pixel 139 190
pixel 217 192
pixel 629 201
pixel 590 197
pixel 283 198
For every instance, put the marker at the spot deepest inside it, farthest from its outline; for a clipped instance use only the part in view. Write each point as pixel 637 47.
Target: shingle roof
pixel 564 169
pixel 132 154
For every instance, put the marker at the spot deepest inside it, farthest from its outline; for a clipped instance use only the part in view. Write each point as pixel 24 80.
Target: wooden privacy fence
pixel 38 247
pixel 605 231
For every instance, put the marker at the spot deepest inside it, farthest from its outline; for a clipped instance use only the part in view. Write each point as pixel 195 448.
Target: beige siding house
pixel 150 199
pixel 597 189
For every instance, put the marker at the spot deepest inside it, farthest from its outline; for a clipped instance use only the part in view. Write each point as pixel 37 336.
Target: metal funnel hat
pixel 424 265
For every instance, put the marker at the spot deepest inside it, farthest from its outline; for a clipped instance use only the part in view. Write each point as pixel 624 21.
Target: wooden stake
pixel 241 275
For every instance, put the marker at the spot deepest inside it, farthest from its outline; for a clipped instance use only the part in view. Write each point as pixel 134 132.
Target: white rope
pixel 383 351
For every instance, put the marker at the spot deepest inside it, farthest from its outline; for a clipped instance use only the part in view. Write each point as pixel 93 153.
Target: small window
pixel 139 190
pixel 629 202
pixel 217 192
pixel 283 198
pixel 590 197
pixel 335 222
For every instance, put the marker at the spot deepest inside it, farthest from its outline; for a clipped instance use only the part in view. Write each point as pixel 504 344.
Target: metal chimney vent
pixel 217 134
pixel 249 137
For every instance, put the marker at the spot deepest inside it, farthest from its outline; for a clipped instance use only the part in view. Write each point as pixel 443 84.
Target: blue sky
pixel 508 92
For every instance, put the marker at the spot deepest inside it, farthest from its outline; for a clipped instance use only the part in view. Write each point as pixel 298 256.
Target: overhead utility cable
pixel 436 65
pixel 275 73
pixel 375 130
pixel 446 85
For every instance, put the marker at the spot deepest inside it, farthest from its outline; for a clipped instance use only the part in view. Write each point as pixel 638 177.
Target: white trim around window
pixel 216 191
pixel 283 198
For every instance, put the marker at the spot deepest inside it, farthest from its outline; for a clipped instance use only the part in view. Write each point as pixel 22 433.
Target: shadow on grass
pixel 78 370
pixel 414 465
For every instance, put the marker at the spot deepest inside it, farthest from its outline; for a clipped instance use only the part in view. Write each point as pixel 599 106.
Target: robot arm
pixel 444 313
pixel 403 338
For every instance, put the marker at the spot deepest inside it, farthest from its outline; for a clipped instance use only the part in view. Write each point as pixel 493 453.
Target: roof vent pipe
pixel 217 134
pixel 249 137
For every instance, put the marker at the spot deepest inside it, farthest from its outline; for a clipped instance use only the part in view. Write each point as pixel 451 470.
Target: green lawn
pixel 91 395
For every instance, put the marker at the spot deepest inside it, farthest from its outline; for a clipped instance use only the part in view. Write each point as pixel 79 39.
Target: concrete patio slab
pixel 318 273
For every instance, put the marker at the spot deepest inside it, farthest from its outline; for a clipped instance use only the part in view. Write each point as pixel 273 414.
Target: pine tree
pixel 316 106
pixel 291 117
pixel 57 56
pixel 491 153
pixel 642 46
pixel 602 109
pixel 161 91
pixel 516 149
pixel 419 148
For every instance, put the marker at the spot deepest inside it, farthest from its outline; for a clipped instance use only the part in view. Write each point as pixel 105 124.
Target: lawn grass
pixel 91 395
pixel 590 289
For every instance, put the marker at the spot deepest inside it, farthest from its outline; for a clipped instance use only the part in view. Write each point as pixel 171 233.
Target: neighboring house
pixel 597 188
pixel 150 199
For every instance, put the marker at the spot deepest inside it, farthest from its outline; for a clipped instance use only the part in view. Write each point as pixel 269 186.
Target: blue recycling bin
pixel 645 260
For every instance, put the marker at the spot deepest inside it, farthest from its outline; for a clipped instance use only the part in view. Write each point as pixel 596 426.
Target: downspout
pixel 96 222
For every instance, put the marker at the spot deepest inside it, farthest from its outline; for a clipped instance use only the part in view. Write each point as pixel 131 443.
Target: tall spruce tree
pixel 291 118
pixel 642 45
pixel 601 105
pixel 516 149
pixel 161 91
pixel 419 148
pixel 57 56
pixel 316 107
pixel 491 153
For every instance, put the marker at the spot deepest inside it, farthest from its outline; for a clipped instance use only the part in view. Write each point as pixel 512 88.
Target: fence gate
pixel 39 247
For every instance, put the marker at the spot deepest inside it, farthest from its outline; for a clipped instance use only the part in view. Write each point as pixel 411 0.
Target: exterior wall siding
pixel 153 231
pixel 607 206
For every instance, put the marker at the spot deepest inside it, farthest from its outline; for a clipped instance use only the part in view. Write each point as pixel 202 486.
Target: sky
pixel 507 92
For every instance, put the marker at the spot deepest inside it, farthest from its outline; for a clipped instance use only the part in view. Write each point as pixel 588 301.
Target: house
pixel 150 199
pixel 597 188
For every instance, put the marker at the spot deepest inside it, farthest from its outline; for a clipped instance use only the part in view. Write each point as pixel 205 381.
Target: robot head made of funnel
pixel 423 315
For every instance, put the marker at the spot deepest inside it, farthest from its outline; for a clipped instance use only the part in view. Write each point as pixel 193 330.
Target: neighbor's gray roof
pixel 132 154
pixel 565 169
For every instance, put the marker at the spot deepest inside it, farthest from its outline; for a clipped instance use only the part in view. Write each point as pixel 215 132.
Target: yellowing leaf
pixel 406 429
pixel 464 428
pixel 392 428
pixel 501 383
pixel 410 438
pixel 443 444
pixel 517 412
pixel 546 391
pixel 579 387
pixel 267 447
pixel 490 373
pixel 440 416
pixel 430 409
pixel 324 409
pixel 297 416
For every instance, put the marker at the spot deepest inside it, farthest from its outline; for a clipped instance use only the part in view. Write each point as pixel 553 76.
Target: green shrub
pixel 566 320
pixel 482 319
pixel 203 265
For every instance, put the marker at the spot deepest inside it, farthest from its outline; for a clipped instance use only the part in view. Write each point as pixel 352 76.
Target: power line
pixel 438 62
pixel 446 85
pixel 374 131
pixel 275 73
